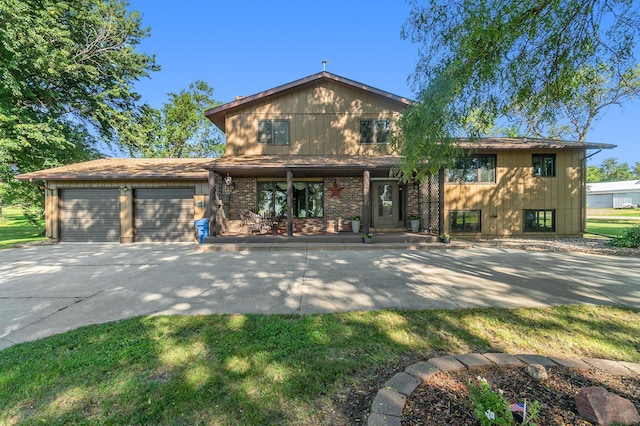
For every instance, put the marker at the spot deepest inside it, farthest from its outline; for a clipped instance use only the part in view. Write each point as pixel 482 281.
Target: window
pixel 375 131
pixel 539 220
pixel 273 132
pixel 308 199
pixel 476 168
pixel 544 164
pixel 465 221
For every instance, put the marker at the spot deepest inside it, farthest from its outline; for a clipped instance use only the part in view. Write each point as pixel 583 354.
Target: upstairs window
pixel 475 168
pixel 544 164
pixel 375 131
pixel 273 132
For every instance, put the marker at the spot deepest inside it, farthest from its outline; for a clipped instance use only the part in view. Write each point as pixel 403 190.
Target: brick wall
pixel 338 209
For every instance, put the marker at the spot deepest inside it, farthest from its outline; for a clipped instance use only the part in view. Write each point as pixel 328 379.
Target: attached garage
pixel 89 215
pixel 124 199
pixel 163 214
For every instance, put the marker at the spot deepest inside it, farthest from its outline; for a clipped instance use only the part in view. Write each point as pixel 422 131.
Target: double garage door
pixel 93 215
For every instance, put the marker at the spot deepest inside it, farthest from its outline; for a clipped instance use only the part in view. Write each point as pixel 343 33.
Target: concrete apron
pixel 45 290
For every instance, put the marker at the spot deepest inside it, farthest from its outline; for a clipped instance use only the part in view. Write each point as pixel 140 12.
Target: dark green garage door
pixel 89 215
pixel 164 214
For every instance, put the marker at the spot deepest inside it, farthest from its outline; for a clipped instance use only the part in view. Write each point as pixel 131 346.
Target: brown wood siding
pixel 516 189
pixel 164 214
pixel 324 120
pixel 90 215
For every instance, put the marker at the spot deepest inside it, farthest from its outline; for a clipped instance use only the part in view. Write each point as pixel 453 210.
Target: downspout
pixel 583 192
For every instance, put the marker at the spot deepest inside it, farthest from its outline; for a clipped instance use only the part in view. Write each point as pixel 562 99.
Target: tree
pixel 636 170
pixel 180 128
pixel 594 174
pixel 526 62
pixel 67 70
pixel 612 171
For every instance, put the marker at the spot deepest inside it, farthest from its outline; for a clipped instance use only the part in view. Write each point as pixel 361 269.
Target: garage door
pixel 90 215
pixel 164 214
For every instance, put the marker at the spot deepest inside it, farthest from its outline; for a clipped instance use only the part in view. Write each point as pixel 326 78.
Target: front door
pixel 387 204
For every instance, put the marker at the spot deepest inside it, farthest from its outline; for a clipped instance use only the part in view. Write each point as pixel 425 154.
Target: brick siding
pixel 338 210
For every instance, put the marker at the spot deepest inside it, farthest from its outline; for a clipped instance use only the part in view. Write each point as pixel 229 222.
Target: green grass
pixel 610 227
pixel 614 212
pixel 260 370
pixel 16 229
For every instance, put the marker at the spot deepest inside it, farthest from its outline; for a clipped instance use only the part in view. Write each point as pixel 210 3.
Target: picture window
pixel 473 169
pixel 308 199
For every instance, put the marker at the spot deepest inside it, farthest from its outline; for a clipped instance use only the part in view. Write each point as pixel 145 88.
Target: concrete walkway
pixel 46 290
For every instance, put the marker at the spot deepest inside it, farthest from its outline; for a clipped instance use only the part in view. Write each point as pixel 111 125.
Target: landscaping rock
pixel 597 405
pixel 537 371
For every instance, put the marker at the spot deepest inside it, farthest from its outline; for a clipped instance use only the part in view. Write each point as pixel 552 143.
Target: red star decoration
pixel 336 191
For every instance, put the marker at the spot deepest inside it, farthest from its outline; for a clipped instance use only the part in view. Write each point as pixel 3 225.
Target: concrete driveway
pixel 46 290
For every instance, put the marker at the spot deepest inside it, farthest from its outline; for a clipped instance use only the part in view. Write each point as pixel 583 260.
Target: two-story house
pixel 308 156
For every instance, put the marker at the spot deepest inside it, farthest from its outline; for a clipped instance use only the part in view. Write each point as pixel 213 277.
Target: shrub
pixel 630 239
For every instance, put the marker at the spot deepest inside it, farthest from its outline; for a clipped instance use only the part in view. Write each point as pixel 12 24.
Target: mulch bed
pixel 443 399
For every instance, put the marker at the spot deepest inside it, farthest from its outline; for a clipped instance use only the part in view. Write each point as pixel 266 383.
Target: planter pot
pixel 445 240
pixel 367 240
pixel 415 225
pixel 355 226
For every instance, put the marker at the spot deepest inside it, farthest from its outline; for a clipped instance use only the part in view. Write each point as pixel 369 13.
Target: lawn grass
pixel 285 370
pixel 610 227
pixel 16 229
pixel 632 213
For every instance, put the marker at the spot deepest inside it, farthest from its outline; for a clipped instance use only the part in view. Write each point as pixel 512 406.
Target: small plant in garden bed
pixel 630 239
pixel 492 408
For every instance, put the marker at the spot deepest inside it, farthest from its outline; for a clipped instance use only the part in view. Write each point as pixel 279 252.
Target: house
pixel 307 156
pixel 613 194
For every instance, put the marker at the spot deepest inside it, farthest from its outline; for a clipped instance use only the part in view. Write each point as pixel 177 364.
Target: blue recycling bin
pixel 202 227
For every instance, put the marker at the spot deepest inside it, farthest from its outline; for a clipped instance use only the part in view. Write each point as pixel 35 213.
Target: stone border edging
pixel 387 406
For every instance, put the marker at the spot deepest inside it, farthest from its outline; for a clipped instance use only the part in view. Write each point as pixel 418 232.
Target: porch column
pixel 441 222
pixel 213 206
pixel 366 201
pixel 289 203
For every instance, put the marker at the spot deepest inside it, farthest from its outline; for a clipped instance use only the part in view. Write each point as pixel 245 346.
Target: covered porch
pixel 306 195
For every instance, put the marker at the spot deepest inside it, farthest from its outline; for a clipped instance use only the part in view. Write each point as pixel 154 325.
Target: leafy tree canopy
pixel 611 171
pixel 544 65
pixel 67 70
pixel 180 128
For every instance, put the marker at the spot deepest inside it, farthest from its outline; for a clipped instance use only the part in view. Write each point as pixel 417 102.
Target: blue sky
pixel 245 47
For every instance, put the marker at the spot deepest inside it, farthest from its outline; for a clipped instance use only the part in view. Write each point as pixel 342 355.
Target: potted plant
pixel 445 238
pixel 367 238
pixel 415 222
pixel 355 224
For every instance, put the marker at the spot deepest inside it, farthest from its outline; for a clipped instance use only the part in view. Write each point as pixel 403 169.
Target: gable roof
pixel 217 114
pixel 126 168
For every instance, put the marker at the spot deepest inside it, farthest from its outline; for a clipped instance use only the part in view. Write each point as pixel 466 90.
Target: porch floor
pixel 328 241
